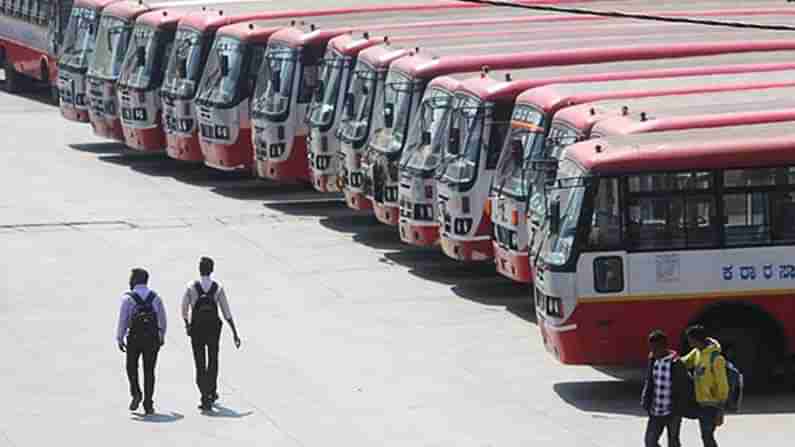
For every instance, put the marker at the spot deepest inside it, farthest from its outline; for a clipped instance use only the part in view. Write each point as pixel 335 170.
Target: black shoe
pixel 206 406
pixel 136 400
pixel 213 397
pixel 149 409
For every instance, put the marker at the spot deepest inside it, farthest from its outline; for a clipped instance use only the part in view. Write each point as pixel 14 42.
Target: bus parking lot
pixel 436 221
pixel 424 351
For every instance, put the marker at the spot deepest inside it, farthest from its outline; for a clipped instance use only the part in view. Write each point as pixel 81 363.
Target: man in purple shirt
pixel 140 333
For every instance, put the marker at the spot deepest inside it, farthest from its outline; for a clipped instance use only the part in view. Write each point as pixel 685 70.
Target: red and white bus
pixel 630 116
pixel 385 152
pixel 341 51
pixel 77 49
pixel 195 36
pixel 515 194
pixel 227 141
pixel 668 229
pixel 465 180
pixel 113 36
pixel 31 33
pixel 143 70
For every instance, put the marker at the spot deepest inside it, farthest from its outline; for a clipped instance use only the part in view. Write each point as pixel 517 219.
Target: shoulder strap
pixel 213 290
pixel 198 287
pixel 150 297
pixel 136 298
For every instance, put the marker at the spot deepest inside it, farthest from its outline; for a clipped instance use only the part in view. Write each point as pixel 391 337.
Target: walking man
pixel 709 380
pixel 665 392
pixel 202 324
pixel 141 332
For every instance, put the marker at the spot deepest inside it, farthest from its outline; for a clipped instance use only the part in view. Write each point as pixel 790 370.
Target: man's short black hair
pixel 138 276
pixel 697 332
pixel 658 336
pixel 206 266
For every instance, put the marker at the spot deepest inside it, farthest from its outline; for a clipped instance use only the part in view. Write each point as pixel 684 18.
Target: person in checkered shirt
pixel 666 393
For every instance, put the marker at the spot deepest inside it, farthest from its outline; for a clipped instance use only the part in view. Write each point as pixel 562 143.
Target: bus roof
pixel 745 146
pixel 161 18
pixel 633 62
pixel 643 110
pixel 126 9
pixel 633 84
pixel 92 4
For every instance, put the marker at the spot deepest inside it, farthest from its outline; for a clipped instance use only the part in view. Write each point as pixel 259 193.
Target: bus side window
pixel 605 233
pixel 499 130
pixel 497 135
pixel 248 82
pixel 608 274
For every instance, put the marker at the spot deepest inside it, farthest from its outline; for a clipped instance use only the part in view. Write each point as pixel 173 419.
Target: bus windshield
pixel 136 72
pixel 460 164
pixel 569 191
pixel 421 153
pixel 185 67
pixel 112 39
pixel 359 104
pixel 275 81
pixel 396 109
pixel 510 178
pixel 219 82
pixel 79 38
pixel 324 104
pixel 545 157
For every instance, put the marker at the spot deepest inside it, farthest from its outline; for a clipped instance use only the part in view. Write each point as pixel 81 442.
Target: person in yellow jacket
pixel 709 379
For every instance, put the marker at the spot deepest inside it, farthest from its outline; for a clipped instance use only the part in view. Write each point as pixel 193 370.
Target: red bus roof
pixel 649 111
pixel 126 9
pixel 643 61
pixel 761 113
pixel 745 146
pixel 92 4
pixel 161 18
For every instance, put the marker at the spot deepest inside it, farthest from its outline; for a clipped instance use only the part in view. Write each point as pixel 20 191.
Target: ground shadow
pixel 623 396
pixel 220 411
pixel 34 91
pixel 365 229
pixel 158 418
pixel 101 148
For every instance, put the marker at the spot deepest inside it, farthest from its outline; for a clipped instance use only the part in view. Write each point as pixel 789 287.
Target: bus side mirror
pixel 224 65
pixel 182 68
pixel 348 105
pixel 517 149
pixel 140 56
pixel 320 91
pixel 276 81
pixel 426 137
pixel 554 217
pixel 389 115
pixel 454 141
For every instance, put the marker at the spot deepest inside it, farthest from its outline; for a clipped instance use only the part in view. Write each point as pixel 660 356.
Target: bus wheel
pixel 750 349
pixel 13 78
pixel 45 78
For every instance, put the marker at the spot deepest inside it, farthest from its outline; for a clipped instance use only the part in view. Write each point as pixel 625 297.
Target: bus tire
pixel 13 78
pixel 54 96
pixel 749 337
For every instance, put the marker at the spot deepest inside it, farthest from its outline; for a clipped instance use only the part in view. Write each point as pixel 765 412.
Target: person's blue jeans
pixel 656 425
pixel 707 424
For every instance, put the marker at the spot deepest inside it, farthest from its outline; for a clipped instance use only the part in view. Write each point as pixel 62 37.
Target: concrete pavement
pixel 349 337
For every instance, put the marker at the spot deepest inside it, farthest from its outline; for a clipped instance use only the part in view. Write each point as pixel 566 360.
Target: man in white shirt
pixel 140 332
pixel 202 324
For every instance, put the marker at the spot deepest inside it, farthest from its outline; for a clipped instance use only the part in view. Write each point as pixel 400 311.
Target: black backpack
pixel 144 329
pixel 204 317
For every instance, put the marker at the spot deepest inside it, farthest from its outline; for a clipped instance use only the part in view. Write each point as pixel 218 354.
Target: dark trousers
pixel 205 356
pixel 149 354
pixel 706 422
pixel 655 427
